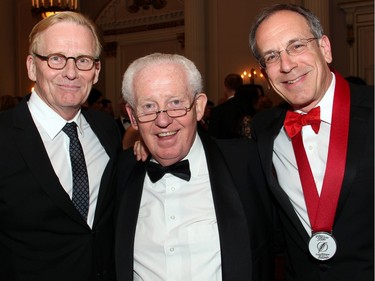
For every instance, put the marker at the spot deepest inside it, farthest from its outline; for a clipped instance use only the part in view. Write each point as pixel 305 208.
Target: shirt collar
pixel 46 118
pixel 195 155
pixel 326 104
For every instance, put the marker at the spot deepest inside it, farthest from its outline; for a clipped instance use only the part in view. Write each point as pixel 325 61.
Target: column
pixel 195 37
pixel 321 9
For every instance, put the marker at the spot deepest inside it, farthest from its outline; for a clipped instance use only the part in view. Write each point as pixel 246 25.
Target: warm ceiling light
pixel 46 8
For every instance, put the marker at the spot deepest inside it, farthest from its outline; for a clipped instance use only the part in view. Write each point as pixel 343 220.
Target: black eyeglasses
pixel 58 61
pixel 293 49
pixel 173 113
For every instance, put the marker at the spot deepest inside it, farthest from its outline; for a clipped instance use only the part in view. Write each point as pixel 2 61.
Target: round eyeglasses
pixel 59 61
pixel 293 49
pixel 173 113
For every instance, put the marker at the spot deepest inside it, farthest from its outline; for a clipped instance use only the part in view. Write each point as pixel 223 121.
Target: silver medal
pixel 322 246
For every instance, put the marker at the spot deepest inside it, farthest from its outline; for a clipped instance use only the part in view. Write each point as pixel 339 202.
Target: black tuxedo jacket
pixel 241 203
pixel 354 221
pixel 42 235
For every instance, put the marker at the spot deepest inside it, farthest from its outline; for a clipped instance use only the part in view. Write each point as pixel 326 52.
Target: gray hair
pixel 313 22
pixel 193 76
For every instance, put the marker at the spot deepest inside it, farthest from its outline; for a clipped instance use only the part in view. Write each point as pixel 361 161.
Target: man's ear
pixel 325 47
pixel 133 120
pixel 30 65
pixel 97 71
pixel 200 105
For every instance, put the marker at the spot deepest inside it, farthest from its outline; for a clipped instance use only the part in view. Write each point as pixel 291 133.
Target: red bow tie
pixel 294 121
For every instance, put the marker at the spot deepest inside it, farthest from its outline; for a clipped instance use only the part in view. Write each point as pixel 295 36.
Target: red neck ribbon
pixel 322 210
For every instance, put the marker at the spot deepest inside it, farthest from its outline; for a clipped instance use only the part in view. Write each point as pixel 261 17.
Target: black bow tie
pixel 180 169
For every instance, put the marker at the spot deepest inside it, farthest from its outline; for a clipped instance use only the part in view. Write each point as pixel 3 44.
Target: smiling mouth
pixel 68 86
pixel 167 134
pixel 293 81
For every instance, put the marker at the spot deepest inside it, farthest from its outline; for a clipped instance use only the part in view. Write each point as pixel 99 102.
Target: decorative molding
pixel 114 19
pixel 139 21
pixel 359 16
pixel 181 39
pixel 145 27
pixel 355 12
pixel 145 4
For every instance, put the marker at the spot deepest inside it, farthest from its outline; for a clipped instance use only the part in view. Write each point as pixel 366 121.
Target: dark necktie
pixel 180 169
pixel 80 196
pixel 294 121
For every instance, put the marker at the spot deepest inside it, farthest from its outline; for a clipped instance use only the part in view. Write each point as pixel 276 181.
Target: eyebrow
pixel 289 42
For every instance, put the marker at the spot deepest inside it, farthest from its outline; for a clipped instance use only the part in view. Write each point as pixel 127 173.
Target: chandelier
pixel 145 4
pixel 46 8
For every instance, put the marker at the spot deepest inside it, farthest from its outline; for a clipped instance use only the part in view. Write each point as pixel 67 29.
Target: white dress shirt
pixel 56 142
pixel 316 147
pixel 177 236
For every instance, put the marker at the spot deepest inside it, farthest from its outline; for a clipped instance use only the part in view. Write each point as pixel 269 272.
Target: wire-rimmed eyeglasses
pixel 173 113
pixel 59 61
pixel 293 49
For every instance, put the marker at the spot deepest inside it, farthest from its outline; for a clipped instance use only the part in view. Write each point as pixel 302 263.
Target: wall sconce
pixel 46 8
pixel 252 75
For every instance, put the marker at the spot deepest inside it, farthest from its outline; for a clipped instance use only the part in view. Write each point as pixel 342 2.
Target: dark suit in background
pixel 120 126
pixel 227 118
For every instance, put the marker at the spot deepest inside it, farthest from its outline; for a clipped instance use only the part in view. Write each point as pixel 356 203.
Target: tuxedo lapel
pixel 130 187
pixel 231 219
pixel 31 146
pixel 265 142
pixel 358 132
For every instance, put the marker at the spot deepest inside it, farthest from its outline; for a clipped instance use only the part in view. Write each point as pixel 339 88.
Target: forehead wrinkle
pixel 66 43
pixel 277 26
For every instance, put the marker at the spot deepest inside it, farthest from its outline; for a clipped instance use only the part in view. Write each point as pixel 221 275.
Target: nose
pixel 287 62
pixel 163 119
pixel 70 69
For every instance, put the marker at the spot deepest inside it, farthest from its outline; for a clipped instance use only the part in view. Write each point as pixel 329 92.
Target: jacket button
pixel 100 276
pixel 324 267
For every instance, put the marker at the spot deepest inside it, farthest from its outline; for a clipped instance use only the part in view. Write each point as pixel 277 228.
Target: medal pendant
pixel 322 246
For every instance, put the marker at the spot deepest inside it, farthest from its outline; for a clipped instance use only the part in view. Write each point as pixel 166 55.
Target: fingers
pixel 140 150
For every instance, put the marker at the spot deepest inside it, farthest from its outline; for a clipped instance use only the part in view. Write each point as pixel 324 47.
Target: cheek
pixel 270 74
pixel 145 132
pixel 190 128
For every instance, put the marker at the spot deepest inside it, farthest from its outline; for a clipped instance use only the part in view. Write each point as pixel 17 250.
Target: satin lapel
pixel 31 146
pixel 265 141
pixel 358 124
pixel 231 219
pixel 131 186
